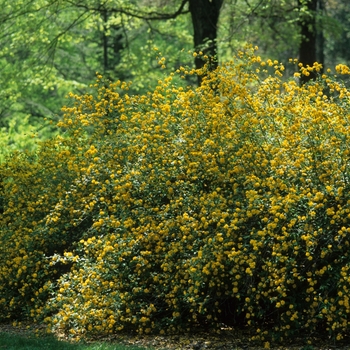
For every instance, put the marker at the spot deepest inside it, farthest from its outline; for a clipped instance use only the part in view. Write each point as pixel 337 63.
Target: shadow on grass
pixel 9 341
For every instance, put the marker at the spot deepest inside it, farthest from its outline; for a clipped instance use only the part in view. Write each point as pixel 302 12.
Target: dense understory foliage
pixel 224 204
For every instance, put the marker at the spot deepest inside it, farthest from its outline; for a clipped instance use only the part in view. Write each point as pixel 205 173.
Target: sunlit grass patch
pixel 11 341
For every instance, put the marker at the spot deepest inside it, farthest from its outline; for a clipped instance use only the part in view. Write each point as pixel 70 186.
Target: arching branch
pixel 152 15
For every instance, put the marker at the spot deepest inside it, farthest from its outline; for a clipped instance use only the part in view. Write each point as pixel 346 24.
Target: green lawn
pixel 10 341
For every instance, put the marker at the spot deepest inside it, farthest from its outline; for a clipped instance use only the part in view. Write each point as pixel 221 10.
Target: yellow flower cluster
pixel 224 204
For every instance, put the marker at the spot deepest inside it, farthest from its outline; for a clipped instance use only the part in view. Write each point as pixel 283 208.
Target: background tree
pixel 337 35
pixel 205 18
pixel 308 32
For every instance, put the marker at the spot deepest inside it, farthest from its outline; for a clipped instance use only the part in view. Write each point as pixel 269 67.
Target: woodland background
pixel 51 47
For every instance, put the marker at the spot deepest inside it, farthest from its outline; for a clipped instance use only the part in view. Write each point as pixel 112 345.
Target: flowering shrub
pixel 224 204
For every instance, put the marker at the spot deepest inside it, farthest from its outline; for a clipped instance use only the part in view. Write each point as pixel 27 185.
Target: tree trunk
pixel 104 15
pixel 308 46
pixel 320 39
pixel 112 46
pixel 205 17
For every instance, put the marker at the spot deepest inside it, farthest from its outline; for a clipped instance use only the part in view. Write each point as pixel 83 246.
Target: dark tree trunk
pixel 105 42
pixel 308 44
pixel 320 40
pixel 205 17
pixel 112 45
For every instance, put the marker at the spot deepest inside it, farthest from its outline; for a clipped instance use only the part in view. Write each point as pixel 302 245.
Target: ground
pixel 228 340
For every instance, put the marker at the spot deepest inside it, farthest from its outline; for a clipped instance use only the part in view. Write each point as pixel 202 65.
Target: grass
pixel 9 341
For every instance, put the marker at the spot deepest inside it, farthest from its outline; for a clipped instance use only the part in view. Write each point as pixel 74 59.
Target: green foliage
pixel 16 137
pixel 271 25
pixel 183 207
pixel 337 32
pixel 21 135
pixel 49 48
